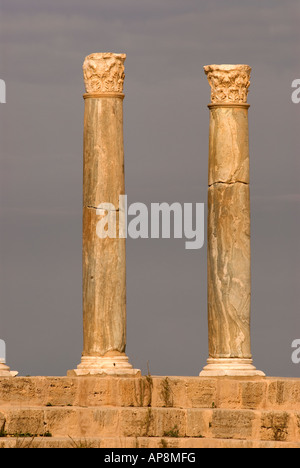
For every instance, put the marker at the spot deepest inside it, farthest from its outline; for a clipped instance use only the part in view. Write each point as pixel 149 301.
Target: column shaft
pixel 104 262
pixel 229 281
pixel 229 250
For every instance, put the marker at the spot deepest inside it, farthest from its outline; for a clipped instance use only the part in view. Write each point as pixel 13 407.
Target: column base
pixel 6 372
pixel 105 366
pixel 231 367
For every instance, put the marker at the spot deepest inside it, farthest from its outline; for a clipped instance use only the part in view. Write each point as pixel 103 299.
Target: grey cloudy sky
pixel 43 45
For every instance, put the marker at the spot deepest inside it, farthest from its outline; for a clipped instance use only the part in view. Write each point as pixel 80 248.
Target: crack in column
pixel 90 207
pixel 229 183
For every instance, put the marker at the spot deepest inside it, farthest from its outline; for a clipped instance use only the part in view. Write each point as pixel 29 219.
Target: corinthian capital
pixel 104 73
pixel 229 83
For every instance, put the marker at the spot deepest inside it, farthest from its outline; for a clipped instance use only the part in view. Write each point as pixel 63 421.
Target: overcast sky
pixel 43 46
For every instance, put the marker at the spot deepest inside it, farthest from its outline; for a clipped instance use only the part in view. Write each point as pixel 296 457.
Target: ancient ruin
pixel 105 403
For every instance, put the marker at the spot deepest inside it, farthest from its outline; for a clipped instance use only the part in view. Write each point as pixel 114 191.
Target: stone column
pixel 4 369
pixel 104 262
pixel 229 279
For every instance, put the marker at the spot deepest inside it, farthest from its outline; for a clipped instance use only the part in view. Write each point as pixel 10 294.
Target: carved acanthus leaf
pixel 104 73
pixel 229 83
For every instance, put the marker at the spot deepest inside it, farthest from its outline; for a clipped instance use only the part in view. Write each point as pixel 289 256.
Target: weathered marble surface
pixel 103 148
pixel 228 145
pixel 229 280
pixel 229 250
pixel 104 286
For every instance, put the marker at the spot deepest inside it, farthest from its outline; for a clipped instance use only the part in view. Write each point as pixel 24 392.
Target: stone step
pixel 139 442
pixel 78 422
pixel 170 392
